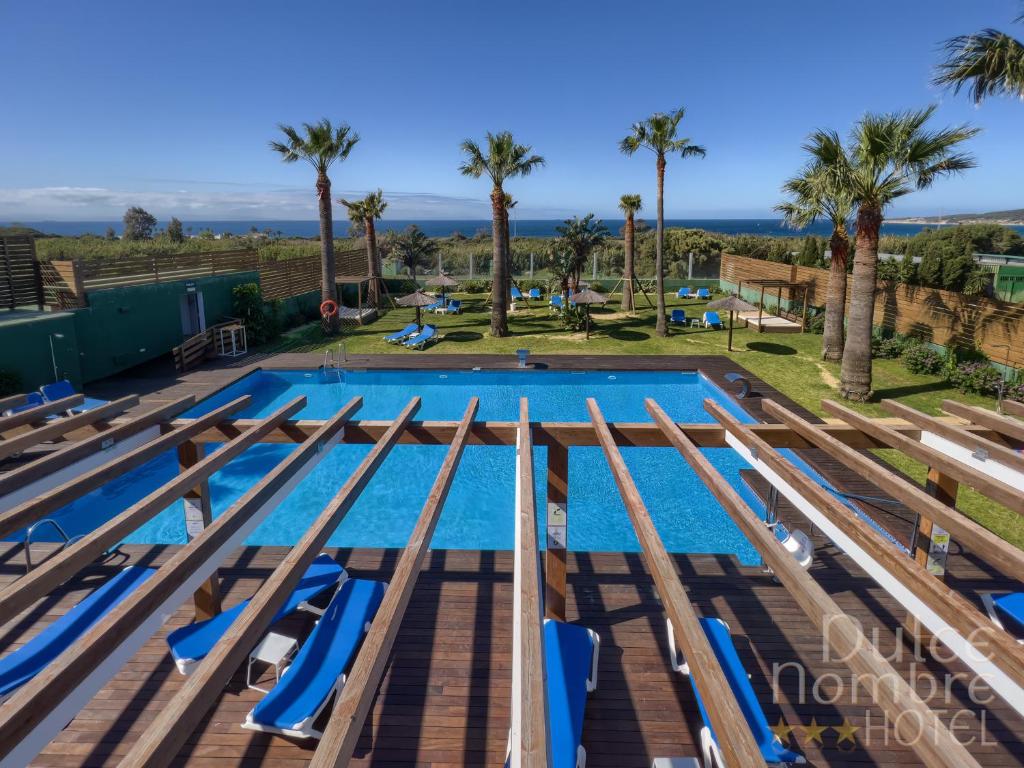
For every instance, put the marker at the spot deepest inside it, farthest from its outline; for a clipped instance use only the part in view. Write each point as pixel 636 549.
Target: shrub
pixel 888 349
pixel 597 285
pixel 10 383
pixel 816 324
pixel 922 359
pixel 262 321
pixel 574 319
pixel 978 377
pixel 476 286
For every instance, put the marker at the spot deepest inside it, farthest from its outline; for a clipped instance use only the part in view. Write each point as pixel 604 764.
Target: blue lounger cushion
pixel 678 316
pixel 32 400
pixel 318 669
pixel 409 330
pixel 703 293
pixel 683 293
pixel 1009 608
pixel 534 293
pixel 712 319
pixel 771 747
pixel 516 293
pixel 22 665
pixel 190 644
pixel 421 338
pixel 61 389
pixel 436 305
pixel 570 654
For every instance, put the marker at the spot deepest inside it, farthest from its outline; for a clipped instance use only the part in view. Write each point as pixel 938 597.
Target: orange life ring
pixel 329 308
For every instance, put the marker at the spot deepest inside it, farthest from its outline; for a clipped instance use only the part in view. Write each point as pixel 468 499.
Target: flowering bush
pixel 890 349
pixel 978 377
pixel 922 359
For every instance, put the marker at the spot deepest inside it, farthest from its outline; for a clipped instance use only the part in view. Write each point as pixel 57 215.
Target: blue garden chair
pixel 678 316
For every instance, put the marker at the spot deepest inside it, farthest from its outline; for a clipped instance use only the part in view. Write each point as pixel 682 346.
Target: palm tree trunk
pixel 855 377
pixel 627 270
pixel 328 289
pixel 499 287
pixel 661 327
pixel 372 263
pixel 835 304
pixel 508 257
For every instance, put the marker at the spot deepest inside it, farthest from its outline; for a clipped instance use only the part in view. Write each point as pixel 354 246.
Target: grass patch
pixel 791 363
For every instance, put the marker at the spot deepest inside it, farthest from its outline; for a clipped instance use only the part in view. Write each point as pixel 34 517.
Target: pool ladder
pixel 66 541
pixel 333 362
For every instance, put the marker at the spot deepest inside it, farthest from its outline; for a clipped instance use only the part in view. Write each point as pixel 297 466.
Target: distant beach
pixel 468 227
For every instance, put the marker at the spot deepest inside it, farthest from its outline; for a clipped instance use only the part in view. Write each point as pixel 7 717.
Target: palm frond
pixel 988 63
pixel 630 204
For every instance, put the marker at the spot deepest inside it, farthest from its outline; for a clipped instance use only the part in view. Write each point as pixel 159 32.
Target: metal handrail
pixel 32 528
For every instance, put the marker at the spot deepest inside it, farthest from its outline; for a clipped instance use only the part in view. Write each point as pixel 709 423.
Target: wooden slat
pixel 11 401
pixel 40 506
pixel 955 434
pixel 734 736
pixel 73 452
pixel 28 708
pixel 998 423
pixel 68 562
pixel 346 721
pixel 160 742
pixel 982 483
pixel 923 731
pixel 950 606
pixel 633 434
pixel 55 429
pixel 40 412
pixel 986 544
pixel 1014 408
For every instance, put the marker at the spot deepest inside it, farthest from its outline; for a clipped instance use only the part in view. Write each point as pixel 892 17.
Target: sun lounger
pixel 32 400
pixel 678 316
pixel 683 293
pixel 534 293
pixel 439 304
pixel 410 330
pixel 570 654
pixel 517 295
pixel 703 293
pixel 318 669
pixel 555 302
pixel 1006 610
pixel 454 308
pixel 22 665
pixel 421 339
pixel 772 749
pixel 61 389
pixel 190 644
pixel 712 320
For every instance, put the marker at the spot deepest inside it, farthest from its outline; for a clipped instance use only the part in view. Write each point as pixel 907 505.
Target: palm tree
pixel 815 193
pixel 413 249
pixel 321 147
pixel 629 205
pixel 890 155
pixel 504 160
pixel 365 212
pixel 658 134
pixel 578 238
pixel 989 63
pixel 510 203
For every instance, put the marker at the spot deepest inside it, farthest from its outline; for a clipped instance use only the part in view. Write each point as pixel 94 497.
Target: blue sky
pixel 171 105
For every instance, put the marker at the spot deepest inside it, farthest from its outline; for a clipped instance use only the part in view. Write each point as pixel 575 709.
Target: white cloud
pixel 101 203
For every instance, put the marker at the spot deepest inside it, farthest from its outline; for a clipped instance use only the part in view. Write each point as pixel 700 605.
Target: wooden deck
pixel 445 698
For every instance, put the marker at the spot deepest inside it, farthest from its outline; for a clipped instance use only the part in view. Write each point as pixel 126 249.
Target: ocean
pixel 468 227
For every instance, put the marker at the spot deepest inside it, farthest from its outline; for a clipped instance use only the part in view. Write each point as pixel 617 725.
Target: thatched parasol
pixel 443 281
pixel 732 304
pixel 416 299
pixel 588 297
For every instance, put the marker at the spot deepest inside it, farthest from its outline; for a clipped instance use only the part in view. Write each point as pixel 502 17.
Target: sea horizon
pixel 308 228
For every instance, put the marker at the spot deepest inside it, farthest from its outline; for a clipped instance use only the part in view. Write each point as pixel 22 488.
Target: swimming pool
pixel 478 513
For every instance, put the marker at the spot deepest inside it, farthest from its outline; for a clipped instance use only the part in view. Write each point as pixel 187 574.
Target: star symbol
pixel 813 731
pixel 845 731
pixel 782 730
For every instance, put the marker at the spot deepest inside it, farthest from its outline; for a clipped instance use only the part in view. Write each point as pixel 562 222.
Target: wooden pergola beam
pixel 12 401
pixel 929 738
pixel 56 429
pixel 1001 425
pixel 984 484
pixel 70 454
pixel 972 442
pixel 38 413
pixel 354 702
pixel 160 742
pixel 546 433
pixel 1014 408
pixel 970 634
pixel 734 736
pixel 37 711
pixel 983 542
pixel 40 506
pixel 62 566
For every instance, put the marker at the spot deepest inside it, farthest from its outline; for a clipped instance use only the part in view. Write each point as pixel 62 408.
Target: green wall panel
pixel 25 347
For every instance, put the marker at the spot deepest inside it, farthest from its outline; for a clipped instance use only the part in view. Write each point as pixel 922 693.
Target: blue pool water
pixel 478 513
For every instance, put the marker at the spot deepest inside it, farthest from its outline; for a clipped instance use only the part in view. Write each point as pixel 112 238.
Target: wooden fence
pixel 20 282
pixel 160 268
pixel 946 318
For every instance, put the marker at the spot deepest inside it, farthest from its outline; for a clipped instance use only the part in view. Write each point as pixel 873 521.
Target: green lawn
pixel 789 362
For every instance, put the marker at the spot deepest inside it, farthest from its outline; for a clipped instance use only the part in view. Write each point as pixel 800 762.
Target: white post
pixel 593 271
pixel 531 264
pixel 471 266
pixel 689 268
